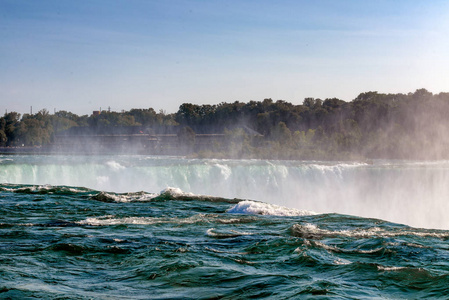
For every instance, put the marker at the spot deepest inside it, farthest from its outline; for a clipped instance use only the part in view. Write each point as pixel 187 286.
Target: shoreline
pixel 52 151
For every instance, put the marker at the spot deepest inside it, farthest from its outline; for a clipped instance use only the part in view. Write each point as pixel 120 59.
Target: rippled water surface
pixel 98 227
pixel 76 243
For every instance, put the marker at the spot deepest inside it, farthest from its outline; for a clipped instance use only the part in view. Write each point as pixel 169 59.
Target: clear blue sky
pixel 83 55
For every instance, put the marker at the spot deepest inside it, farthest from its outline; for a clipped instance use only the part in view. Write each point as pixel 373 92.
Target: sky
pixel 81 56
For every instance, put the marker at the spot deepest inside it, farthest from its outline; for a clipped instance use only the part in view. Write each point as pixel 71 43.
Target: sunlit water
pixel 81 227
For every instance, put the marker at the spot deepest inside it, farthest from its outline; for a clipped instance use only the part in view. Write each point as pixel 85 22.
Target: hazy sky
pixel 83 55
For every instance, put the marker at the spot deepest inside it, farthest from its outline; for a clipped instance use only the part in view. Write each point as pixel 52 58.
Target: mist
pixel 379 156
pixel 411 193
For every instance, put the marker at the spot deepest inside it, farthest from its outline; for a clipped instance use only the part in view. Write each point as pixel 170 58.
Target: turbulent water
pixel 134 227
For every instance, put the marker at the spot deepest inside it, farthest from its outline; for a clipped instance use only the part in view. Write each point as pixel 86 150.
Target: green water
pixel 98 227
pixel 76 243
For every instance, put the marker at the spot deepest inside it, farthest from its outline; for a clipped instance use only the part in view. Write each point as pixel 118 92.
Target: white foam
pixel 232 233
pixel 174 192
pixel 337 167
pixel 5 189
pixel 341 261
pixel 114 197
pixel 370 250
pixel 115 165
pixel 220 251
pixel 311 229
pixel 385 268
pixel 144 196
pixel 261 208
pixel 327 247
pixel 130 197
pixel 34 188
pixel 109 220
pixel 112 220
pixel 225 171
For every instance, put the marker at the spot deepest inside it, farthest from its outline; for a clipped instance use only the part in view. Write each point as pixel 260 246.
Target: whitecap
pixel 261 208
pixel 175 192
pixel 341 261
pixel 312 231
pixel 385 268
pixel 112 220
pixel 109 220
pixel 231 233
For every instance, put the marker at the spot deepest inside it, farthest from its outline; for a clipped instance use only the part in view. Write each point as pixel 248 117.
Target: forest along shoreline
pixel 373 125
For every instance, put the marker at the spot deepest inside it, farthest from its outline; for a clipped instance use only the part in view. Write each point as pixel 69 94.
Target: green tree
pixel 11 124
pixel 3 137
pixel 32 132
pixel 281 133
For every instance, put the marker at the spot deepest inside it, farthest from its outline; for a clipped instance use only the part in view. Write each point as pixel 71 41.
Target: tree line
pixel 373 125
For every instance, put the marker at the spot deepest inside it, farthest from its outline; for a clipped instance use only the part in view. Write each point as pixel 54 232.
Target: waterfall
pixel 412 193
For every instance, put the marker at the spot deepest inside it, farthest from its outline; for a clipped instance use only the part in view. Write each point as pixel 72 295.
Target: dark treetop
pixel 373 125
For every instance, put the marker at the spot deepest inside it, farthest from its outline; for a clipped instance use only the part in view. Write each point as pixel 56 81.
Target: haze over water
pixel 408 192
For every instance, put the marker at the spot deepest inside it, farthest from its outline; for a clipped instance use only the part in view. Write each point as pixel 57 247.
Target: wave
pixel 266 209
pixel 43 189
pixel 242 206
pixel 212 232
pixel 111 220
pixel 128 197
pixel 169 193
pixel 311 231
pixel 77 249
